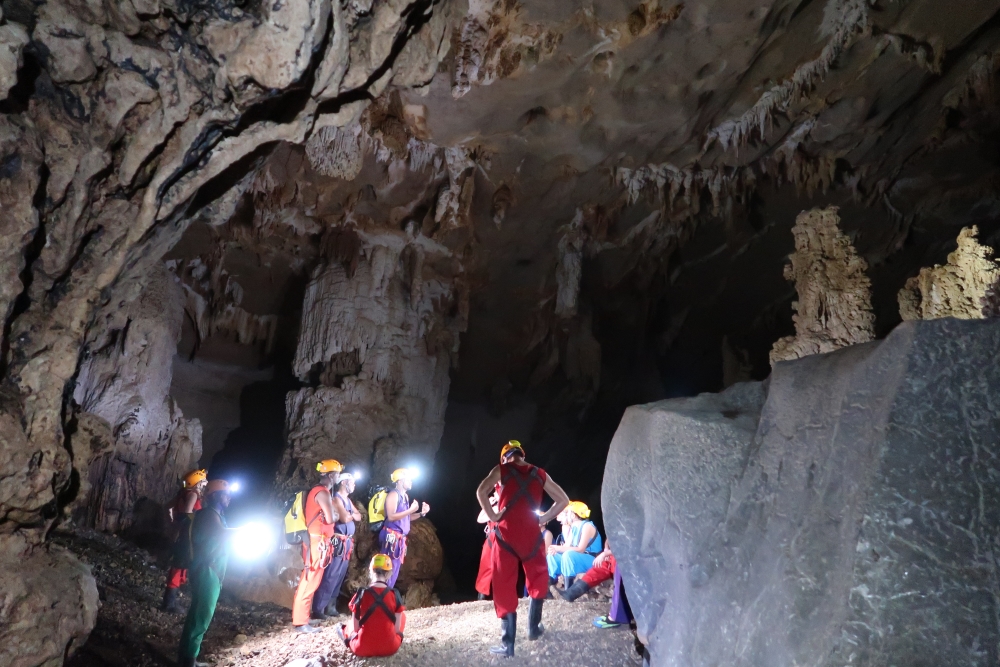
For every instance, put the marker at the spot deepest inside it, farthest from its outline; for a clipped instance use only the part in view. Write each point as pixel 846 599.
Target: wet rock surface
pixel 848 529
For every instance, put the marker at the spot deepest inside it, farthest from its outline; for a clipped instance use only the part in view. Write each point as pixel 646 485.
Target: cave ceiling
pixel 668 145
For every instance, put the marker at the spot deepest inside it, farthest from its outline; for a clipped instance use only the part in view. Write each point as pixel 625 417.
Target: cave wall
pixel 125 379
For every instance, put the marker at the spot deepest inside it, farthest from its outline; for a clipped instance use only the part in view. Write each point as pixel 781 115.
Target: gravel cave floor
pixel 132 632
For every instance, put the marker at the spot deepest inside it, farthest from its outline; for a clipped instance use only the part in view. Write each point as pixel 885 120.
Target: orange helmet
pixel 382 562
pixel 510 447
pixel 194 477
pixel 329 465
pixel 215 486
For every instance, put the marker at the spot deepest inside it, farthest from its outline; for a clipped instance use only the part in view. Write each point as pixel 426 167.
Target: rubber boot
pixel 481 597
pixel 575 591
pixel 506 647
pixel 170 603
pixel 191 662
pixel 568 583
pixel 535 627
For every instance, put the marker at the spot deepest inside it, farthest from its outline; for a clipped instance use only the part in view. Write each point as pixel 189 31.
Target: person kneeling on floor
pixel 378 617
pixel 605 567
pixel 582 545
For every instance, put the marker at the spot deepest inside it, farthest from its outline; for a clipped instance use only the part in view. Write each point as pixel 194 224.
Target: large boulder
pixel 856 526
pixel 48 603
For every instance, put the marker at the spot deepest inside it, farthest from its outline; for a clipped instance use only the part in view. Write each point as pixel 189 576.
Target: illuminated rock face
pixel 956 289
pixel 846 527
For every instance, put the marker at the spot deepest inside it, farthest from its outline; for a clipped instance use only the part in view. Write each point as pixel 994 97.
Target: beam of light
pixel 235 487
pixel 357 475
pixel 253 541
pixel 414 472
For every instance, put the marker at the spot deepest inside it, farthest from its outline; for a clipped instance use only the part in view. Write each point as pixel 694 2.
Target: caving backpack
pixel 296 531
pixel 376 508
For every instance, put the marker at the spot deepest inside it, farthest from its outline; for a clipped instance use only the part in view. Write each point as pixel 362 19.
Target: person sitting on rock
pixel 317 552
pixel 325 599
pixel 210 551
pixel 181 511
pixel 605 567
pixel 484 580
pixel 378 616
pixel 398 512
pixel 582 546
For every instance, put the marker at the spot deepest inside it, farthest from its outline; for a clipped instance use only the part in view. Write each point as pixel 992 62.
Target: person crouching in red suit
pixel 378 616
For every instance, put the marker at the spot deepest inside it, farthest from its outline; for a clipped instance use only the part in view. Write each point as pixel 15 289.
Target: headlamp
pixel 253 541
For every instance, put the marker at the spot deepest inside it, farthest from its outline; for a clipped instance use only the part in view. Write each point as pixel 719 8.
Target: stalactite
pixel 845 20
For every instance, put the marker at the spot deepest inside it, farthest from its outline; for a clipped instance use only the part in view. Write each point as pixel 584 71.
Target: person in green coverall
pixel 210 555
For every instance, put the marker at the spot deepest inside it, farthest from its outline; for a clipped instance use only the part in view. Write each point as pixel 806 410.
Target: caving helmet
pixel 329 465
pixel 381 562
pixel 511 446
pixel 195 477
pixel 579 509
pixel 216 485
pixel 403 473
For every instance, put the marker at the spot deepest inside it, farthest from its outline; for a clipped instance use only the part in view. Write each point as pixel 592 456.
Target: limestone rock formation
pixel 378 334
pixel 955 289
pixel 834 295
pixel 49 603
pixel 125 380
pixel 843 528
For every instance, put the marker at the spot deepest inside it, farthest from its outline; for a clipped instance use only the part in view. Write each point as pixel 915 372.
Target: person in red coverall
pixel 182 509
pixel 519 539
pixel 484 579
pixel 378 617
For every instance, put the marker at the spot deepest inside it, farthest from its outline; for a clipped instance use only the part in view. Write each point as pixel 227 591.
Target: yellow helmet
pixel 403 473
pixel 329 465
pixel 579 509
pixel 509 447
pixel 194 477
pixel 382 562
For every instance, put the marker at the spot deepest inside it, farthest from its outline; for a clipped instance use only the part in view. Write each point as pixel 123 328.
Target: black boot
pixel 568 583
pixel 535 627
pixel 190 662
pixel 506 647
pixel 578 589
pixel 170 603
pixel 482 597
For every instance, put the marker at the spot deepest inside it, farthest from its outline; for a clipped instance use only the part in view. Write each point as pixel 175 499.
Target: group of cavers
pixel 517 540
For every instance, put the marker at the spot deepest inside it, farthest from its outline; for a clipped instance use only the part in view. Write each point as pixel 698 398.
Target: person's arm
pixel 341 512
pixel 559 500
pixel 603 556
pixel 587 535
pixel 190 498
pixel 392 500
pixel 325 502
pixel 355 514
pixel 483 495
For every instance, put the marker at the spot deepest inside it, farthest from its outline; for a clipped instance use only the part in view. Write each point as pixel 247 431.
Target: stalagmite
pixel 955 289
pixel 834 305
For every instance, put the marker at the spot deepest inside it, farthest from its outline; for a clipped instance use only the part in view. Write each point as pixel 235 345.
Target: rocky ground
pixel 132 632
